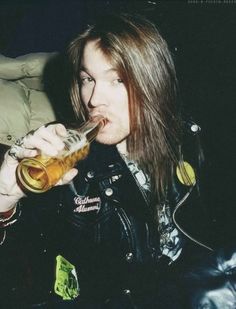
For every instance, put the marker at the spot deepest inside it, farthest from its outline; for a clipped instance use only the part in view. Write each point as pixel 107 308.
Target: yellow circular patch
pixel 186 174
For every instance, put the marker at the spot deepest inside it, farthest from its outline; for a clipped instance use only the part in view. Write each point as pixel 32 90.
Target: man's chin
pixel 107 139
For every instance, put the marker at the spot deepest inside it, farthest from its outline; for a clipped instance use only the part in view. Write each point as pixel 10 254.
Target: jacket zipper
pixel 179 204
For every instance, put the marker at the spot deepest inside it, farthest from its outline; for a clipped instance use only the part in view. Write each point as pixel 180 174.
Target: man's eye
pixel 86 80
pixel 118 81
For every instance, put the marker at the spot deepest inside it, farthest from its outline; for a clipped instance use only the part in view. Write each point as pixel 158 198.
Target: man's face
pixel 103 92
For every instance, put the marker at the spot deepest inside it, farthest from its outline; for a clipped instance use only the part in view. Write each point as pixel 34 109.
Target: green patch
pixel 66 283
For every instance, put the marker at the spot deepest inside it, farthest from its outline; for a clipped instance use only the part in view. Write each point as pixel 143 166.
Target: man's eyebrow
pixel 82 68
pixel 107 71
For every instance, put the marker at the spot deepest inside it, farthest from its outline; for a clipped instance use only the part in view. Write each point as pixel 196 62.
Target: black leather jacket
pixel 111 236
pixel 109 233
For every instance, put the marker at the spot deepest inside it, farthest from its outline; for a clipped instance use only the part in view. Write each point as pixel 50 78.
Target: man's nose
pixel 98 97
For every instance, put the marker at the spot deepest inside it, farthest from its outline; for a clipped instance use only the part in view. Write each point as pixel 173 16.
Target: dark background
pixel 201 36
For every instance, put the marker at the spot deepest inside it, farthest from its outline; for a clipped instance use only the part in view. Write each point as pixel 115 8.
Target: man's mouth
pixel 100 118
pixel 98 115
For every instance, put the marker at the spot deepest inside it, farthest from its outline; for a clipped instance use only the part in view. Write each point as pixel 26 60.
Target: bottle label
pixel 73 142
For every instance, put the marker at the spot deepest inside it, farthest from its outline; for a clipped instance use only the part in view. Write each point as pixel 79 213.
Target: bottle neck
pixel 91 128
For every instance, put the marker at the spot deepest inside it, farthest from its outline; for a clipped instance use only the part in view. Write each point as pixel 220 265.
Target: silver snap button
pixel 194 128
pixel 129 257
pixel 108 191
pixel 127 291
pixel 90 174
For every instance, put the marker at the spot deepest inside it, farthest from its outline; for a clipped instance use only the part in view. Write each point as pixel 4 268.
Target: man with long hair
pixel 130 213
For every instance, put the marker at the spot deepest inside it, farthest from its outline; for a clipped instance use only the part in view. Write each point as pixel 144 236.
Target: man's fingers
pixel 67 177
pixel 60 130
pixel 47 140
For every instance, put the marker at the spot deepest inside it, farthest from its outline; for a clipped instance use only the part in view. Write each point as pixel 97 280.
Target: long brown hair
pixel 143 60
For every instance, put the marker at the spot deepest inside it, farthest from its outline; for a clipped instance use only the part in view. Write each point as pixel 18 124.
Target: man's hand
pixel 46 140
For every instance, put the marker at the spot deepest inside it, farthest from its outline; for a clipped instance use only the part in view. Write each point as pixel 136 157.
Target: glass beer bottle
pixel 41 173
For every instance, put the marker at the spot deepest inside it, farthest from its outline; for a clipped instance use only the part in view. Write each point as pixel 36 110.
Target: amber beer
pixel 41 173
